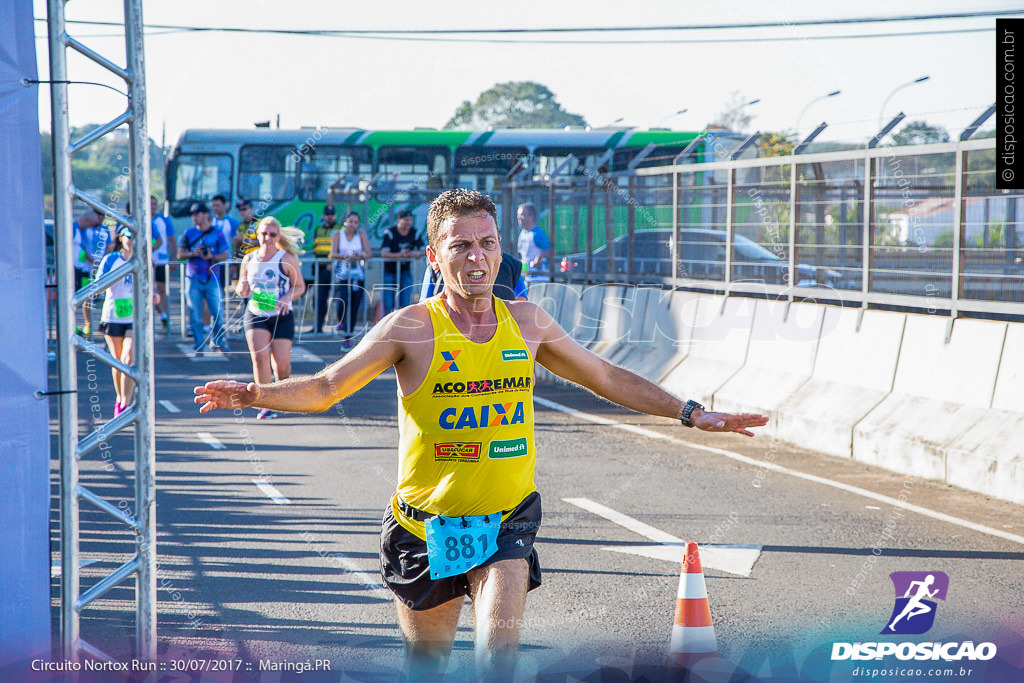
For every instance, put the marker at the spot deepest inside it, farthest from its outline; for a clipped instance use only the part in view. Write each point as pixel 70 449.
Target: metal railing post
pixel 959 234
pixel 794 204
pixel 730 189
pixel 867 255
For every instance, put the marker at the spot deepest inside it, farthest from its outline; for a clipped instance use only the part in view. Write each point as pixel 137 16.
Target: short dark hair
pixel 353 213
pixel 453 204
pixel 530 208
pixel 405 213
pixel 220 197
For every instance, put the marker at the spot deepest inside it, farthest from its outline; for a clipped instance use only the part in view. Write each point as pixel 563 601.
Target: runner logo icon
pixel 916 594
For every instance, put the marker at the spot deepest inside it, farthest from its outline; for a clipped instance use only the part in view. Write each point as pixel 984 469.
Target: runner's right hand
pixel 226 395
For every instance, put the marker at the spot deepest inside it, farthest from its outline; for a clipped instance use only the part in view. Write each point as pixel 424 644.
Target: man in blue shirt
pixel 89 244
pixel 163 239
pixel 533 245
pixel 203 246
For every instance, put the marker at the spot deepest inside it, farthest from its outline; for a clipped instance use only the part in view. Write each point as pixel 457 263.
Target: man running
pixel 466 512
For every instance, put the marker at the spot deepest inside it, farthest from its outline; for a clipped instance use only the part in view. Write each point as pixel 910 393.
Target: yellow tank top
pixel 466 434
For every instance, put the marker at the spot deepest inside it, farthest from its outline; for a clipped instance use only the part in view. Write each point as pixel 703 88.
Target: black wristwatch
pixel 684 417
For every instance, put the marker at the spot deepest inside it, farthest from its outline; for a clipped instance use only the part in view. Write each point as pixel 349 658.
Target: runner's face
pixel 246 213
pixel 267 235
pixel 469 254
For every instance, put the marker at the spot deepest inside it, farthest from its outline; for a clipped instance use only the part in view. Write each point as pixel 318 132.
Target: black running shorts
pixel 279 326
pixel 404 567
pixel 115 329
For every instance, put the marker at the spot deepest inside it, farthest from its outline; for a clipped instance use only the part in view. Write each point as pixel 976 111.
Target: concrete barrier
pixel 783 344
pixel 988 456
pixel 718 348
pixel 639 336
pixel 616 318
pixel 670 318
pixel 940 389
pixel 853 372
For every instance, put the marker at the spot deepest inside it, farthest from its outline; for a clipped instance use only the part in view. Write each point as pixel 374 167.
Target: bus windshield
pixel 197 177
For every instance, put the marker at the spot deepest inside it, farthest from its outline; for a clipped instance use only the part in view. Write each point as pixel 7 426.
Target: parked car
pixel 701 257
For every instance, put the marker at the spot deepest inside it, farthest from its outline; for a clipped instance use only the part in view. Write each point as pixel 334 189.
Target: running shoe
pixel 118 408
pixel 86 330
pixel 339 327
pixel 198 353
pixel 266 414
pixel 166 323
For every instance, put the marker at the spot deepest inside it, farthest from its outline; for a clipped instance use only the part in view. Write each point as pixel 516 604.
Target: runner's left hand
pixel 728 422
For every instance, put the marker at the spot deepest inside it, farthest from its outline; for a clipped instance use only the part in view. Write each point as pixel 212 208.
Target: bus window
pixel 662 155
pixel 550 158
pixel 322 167
pixel 197 177
pixel 267 172
pixel 484 168
pixel 411 169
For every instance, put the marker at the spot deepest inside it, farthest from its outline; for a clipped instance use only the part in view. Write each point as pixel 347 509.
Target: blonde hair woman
pixel 271 278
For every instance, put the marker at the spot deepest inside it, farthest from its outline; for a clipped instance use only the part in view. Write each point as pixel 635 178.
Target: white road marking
pixel 56 569
pixel 272 493
pixel 170 407
pixel 301 354
pixel 186 351
pixel 734 559
pixel 762 464
pixel 211 441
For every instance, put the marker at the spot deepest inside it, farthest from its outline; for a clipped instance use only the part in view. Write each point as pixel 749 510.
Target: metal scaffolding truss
pixel 141 520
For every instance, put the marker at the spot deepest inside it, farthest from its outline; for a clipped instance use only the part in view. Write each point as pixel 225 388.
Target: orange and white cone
pixel 693 636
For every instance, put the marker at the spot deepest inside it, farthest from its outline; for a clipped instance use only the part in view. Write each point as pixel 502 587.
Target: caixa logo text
pixel 949 652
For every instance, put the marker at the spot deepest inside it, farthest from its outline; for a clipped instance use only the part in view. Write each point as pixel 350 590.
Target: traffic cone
pixel 693 636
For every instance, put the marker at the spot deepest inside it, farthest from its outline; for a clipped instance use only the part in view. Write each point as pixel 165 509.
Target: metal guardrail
pixel 921 227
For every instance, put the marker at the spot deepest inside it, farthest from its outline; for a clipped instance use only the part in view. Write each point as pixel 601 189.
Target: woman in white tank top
pixel 349 247
pixel 271 278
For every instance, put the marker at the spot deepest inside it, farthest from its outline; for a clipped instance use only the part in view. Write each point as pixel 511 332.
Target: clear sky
pixel 220 80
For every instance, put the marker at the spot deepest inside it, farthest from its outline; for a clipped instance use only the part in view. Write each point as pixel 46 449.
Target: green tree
pixel 516 104
pixel 920 133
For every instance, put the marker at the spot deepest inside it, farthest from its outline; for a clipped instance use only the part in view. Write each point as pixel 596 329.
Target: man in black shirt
pixel 400 245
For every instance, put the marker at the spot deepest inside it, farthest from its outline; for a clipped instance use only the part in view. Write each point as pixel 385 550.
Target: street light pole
pixel 808 106
pixel 881 112
pixel 672 115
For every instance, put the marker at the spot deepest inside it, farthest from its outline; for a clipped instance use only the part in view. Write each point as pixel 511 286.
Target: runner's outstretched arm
pixel 377 351
pixel 559 353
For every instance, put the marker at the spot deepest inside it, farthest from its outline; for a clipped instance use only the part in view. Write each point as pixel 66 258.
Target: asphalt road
pixel 269 533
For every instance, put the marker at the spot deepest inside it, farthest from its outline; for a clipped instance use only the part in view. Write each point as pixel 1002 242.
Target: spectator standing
pixel 246 233
pixel 533 244
pixel 322 238
pixel 87 233
pixel 350 247
pixel 270 278
pixel 400 244
pixel 203 246
pixel 163 239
